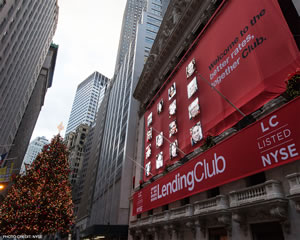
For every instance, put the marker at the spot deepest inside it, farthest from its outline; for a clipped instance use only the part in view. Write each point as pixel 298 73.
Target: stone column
pixel 141 234
pixel 156 235
pixel 132 234
pixel 174 232
pixel 200 230
pixel 155 232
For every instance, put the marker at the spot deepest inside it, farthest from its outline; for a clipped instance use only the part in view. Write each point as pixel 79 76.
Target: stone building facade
pixel 264 205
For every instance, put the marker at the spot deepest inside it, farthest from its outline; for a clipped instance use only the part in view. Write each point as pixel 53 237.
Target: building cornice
pixel 178 30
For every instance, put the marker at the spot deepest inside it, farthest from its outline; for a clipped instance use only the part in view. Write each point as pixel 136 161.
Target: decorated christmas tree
pixel 40 202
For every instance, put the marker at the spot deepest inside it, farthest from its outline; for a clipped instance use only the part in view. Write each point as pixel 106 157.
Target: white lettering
pixel 175 184
pixel 198 174
pixel 190 180
pixel 195 171
pixel 158 195
pixel 169 186
pixel 263 129
pixel 217 165
pixel 274 155
pixel 283 153
pixel 286 133
pixel 205 175
pixel 213 172
pixel 280 154
pixel 292 150
pixel 183 177
pixel 163 190
pixel 266 160
pixel 271 123
pixel 273 139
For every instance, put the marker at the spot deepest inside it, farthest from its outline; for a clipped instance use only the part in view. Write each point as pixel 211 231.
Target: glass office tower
pixel 87 100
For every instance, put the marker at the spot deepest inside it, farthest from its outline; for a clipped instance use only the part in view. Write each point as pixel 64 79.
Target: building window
pixel 185 201
pixel 217 234
pixel 255 179
pixel 153 20
pixel 267 231
pixel 149 40
pixel 165 207
pixel 156 12
pixel 213 192
pixel 152 27
pixel 156 7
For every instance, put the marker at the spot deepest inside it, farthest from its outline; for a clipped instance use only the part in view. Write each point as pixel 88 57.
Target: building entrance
pixel 218 234
pixel 267 231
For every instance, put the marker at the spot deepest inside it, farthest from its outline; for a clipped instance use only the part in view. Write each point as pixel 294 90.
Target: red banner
pixel 246 53
pixel 268 143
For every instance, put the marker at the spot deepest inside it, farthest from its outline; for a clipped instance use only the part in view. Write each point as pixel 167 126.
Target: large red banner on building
pixel 268 143
pixel 246 53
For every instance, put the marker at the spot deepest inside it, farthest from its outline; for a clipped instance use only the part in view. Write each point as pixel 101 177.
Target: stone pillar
pixel 156 235
pixel 241 219
pixel 225 219
pixel 200 230
pixel 174 232
pixel 141 234
pixel 155 232
pixel 132 234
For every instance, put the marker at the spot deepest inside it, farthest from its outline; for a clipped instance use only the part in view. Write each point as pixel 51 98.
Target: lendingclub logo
pixel 201 171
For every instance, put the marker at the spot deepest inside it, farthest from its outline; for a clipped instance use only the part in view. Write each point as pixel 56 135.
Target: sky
pixel 88 35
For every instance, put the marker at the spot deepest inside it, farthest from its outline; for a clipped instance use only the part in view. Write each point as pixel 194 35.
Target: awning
pixel 107 231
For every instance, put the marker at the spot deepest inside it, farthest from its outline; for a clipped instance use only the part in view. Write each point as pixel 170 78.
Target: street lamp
pixel 2 186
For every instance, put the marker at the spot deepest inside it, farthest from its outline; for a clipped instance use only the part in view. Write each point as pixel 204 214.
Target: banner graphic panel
pixel 268 143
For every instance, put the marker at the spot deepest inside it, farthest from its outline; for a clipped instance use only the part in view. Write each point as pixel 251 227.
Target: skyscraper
pixel 110 203
pixel 87 100
pixel 132 14
pixel 26 32
pixel 34 148
pixel 88 173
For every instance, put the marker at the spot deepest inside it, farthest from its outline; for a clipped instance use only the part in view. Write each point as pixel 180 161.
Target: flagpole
pixel 139 165
pixel 225 98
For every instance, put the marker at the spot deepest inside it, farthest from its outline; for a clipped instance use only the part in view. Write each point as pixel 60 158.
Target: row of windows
pixel 16 68
pixel 151 34
pixel 152 27
pixel 153 20
pixel 156 12
pixel 149 40
pixel 156 7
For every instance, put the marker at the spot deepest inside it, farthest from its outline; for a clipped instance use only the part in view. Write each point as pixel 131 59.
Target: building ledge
pixel 182 212
pixel 265 199
pixel 215 206
pixel 161 217
pixel 262 202
pixel 211 205
pixel 270 190
pixel 294 182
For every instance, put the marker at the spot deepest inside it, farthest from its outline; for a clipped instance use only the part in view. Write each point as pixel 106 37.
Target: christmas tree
pixel 40 202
